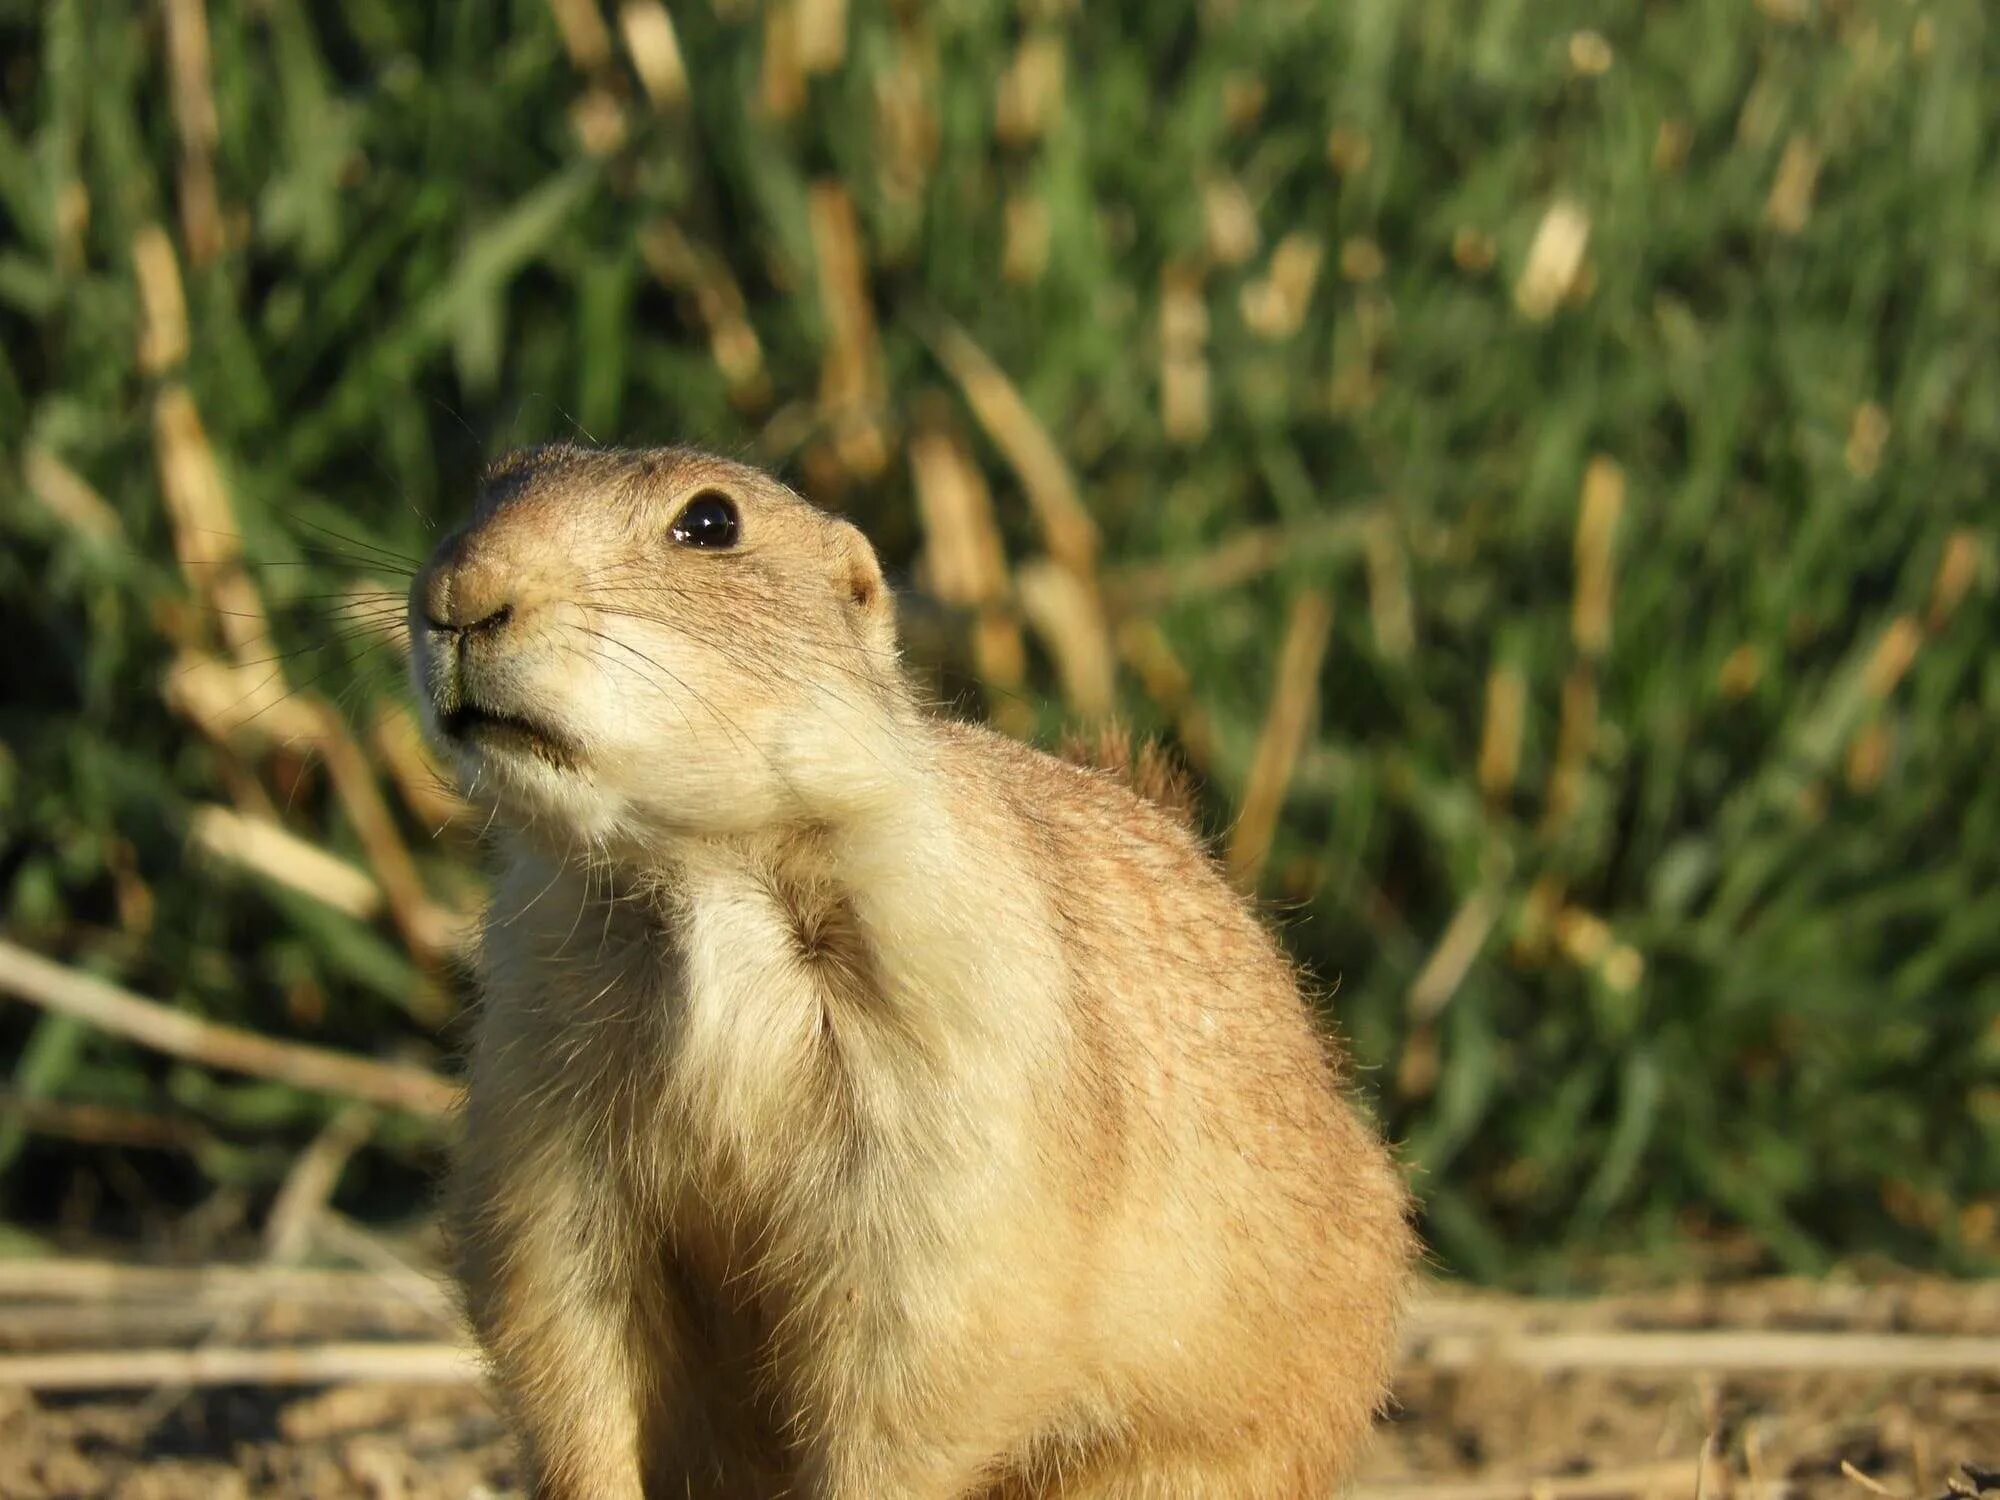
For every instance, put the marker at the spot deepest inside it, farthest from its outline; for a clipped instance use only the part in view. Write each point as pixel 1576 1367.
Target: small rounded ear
pixel 858 576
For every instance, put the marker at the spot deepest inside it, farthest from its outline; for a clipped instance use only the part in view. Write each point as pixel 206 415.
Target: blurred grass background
pixel 1533 461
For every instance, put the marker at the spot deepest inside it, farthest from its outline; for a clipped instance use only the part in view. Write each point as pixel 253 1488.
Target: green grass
pixel 424 266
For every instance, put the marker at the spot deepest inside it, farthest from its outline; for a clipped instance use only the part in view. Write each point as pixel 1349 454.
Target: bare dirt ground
pixel 1499 1398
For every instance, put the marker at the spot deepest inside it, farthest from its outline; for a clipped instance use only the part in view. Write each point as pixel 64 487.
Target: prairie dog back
pixel 862 1105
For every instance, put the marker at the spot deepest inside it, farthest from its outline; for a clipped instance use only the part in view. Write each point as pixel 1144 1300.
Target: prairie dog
pixel 862 1105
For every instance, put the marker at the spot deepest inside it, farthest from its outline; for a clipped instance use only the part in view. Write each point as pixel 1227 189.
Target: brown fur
pixel 885 1110
pixel 1146 767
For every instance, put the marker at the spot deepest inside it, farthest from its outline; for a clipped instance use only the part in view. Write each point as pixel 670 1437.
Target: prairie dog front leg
pixel 557 1333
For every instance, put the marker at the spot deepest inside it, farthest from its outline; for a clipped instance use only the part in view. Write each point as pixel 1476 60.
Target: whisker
pixel 379 549
pixel 387 558
pixel 373 634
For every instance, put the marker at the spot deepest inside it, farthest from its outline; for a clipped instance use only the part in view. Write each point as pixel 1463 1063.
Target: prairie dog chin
pixel 862 1105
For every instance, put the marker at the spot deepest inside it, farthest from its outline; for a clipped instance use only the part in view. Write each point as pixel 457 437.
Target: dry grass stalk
pixel 337 1235
pixel 655 50
pixel 399 746
pixel 231 704
pixel 206 537
pixel 1249 554
pixel 1555 261
pixel 1184 399
pixel 1294 696
pixel 1868 756
pixel 348 1409
pixel 1867 1482
pixel 1583 935
pixel 584 35
pixel 1963 561
pixel 1024 248
pixel 821 37
pixel 1790 204
pixel 1030 96
pixel 163 326
pixel 428 930
pixel 782 82
pixel 1500 737
pixel 1703 1465
pixel 212 1044
pixel 598 118
pixel 195 121
pixel 282 857
pixel 226 702
pixel 906 123
pixel 1623 967
pixel 1534 928
pixel 1710 1351
pixel 966 564
pixel 1361 259
pixel 1867 435
pixel 1063 599
pixel 408 1363
pixel 68 496
pixel 964 560
pixel 1068 532
pixel 101 1124
pixel 309 1185
pixel 1590 55
pixel 1000 658
pixel 1671 144
pixel 853 389
pixel 1170 686
pixel 697 272
pixel 56 1326
pixel 1069 618
pixel 1893 656
pixel 1184 383
pixel 1451 960
pixel 1576 735
pixel 1740 673
pixel 1596 531
pixel 1275 305
pixel 1229 222
pixel 214 1286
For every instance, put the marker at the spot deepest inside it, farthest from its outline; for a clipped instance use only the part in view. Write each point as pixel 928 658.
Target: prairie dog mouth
pixel 471 724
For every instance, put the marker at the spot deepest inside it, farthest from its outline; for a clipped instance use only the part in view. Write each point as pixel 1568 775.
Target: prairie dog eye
pixel 708 520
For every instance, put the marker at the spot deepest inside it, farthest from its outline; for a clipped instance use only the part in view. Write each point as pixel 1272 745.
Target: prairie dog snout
pixel 862 1104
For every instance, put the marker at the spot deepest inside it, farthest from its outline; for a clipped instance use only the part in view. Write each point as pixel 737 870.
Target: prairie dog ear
pixel 858 576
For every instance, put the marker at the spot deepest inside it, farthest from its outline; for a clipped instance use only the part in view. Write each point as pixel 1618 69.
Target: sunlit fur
pixel 864 1105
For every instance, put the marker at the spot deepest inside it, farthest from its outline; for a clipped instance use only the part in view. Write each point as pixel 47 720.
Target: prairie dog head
pixel 625 645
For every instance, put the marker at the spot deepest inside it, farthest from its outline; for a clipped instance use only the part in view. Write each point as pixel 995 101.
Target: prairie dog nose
pixel 464 588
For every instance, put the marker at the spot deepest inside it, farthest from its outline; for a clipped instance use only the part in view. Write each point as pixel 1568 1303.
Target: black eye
pixel 708 521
